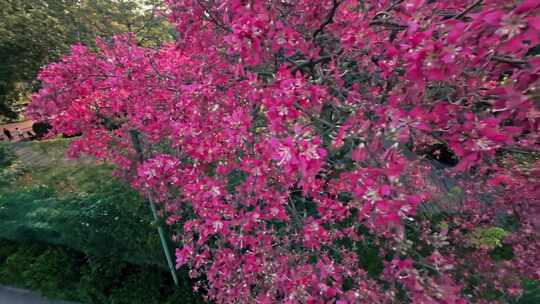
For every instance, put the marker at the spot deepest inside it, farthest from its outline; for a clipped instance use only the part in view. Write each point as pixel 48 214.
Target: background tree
pixel 35 32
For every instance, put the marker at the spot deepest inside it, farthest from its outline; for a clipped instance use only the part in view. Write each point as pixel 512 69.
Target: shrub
pixel 62 273
pixel 41 128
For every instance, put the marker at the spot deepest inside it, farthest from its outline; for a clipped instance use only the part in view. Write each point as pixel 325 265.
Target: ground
pixel 23 126
pixel 10 295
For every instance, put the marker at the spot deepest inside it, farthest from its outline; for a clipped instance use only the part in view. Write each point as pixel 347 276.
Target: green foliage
pixel 502 252
pixel 368 253
pixel 75 204
pixel 53 272
pixel 24 264
pixel 10 168
pixel 40 128
pixel 531 293
pixel 6 156
pixel 370 259
pixel 105 218
pixel 70 231
pixel 59 272
pixel 490 237
pixel 11 173
pixel 235 178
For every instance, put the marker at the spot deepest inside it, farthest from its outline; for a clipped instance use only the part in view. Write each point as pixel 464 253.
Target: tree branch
pixel 308 63
pixel 518 149
pixel 468 9
pixel 329 19
pixel 388 23
pixel 393 6
pixel 510 60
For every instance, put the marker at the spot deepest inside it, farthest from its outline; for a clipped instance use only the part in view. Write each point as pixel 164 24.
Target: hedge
pixel 63 273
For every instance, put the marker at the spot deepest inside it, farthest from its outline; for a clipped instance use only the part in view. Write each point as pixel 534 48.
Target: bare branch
pixel 468 9
pixel 388 24
pixel 510 60
pixel 329 19
pixel 394 5
pixel 309 63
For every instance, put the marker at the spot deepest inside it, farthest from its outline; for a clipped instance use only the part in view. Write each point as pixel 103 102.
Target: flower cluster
pixel 334 151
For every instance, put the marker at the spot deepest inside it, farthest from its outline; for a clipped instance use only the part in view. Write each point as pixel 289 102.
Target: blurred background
pixel 34 33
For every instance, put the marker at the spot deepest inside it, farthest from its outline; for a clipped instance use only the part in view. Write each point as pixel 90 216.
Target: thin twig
pixel 296 215
pixel 388 23
pixel 329 19
pixel 393 6
pixel 468 9
pixel 308 63
pixel 516 149
pixel 510 60
pixel 420 264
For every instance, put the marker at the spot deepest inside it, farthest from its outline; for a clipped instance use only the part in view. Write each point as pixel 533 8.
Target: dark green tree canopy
pixel 35 32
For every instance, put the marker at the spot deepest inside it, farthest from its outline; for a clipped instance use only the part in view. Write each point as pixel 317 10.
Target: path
pixel 23 126
pixel 10 295
pixel 46 153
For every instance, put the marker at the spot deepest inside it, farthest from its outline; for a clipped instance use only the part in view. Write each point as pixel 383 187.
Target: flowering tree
pixel 339 151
